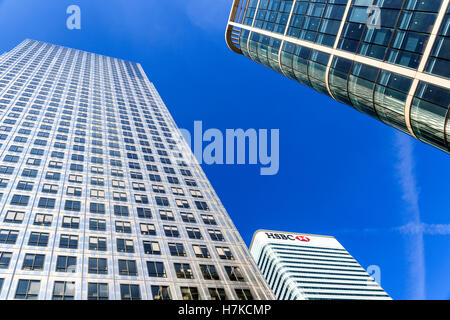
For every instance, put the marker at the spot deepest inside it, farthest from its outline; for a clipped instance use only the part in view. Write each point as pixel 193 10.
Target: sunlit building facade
pixel 311 267
pixel 100 196
pixel 388 59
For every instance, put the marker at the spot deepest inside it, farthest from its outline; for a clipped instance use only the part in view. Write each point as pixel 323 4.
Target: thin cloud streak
pixel 410 195
pixel 407 229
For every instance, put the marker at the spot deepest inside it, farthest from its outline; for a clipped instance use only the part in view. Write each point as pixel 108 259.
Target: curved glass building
pixel 386 58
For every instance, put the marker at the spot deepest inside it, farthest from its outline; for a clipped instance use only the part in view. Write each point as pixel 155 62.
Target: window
pixel 152 247
pixel 201 251
pixel 156 269
pixel 194 233
pixel 98 266
pixel 66 264
pixel 139 198
pixel 183 271
pixel 97 224
pixel 171 231
pixel 123 227
pixel 121 210
pixel 20 200
pixel 119 196
pixel 33 262
pixel 161 293
pixel 144 213
pixel 196 193
pixel 31 173
pixel 14 216
pixel 216 235
pixel 166 215
pixel 201 205
pixel 224 253
pixel 71 222
pixel 42 219
pixel 181 203
pixel 177 249
pixel 5 259
pixel 46 203
pixel 127 268
pixel 158 189
pixel 97 194
pixel 98 291
pixel 244 294
pixel 64 290
pixel 8 236
pixel 97 243
pixel 68 241
pixel 209 272
pixel 148 229
pixel 24 185
pixel 130 292
pixel 71 205
pixel 177 191
pixel 188 217
pixel 234 273
pixel 49 188
pixel 74 191
pixel 125 245
pixel 97 208
pixel 190 293
pixel 28 289
pixel 208 219
pixel 162 201
pixel 217 294
pixel 39 239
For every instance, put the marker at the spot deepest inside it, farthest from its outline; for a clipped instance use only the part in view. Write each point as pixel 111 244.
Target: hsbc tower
pixel 311 267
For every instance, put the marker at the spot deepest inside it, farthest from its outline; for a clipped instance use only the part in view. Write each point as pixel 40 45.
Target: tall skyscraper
pixel 388 59
pixel 100 196
pixel 311 267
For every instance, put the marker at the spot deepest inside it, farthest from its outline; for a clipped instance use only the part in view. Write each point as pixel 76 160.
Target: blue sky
pixel 382 194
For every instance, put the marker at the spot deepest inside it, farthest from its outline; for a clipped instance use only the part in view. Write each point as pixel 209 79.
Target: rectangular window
pixel 130 292
pixel 234 273
pixel 64 290
pixel 148 229
pixel 98 291
pixel 156 269
pixel 39 239
pixel 28 289
pixel 152 247
pixel 5 259
pixel 98 266
pixel 224 253
pixel 217 294
pixel 183 271
pixel 66 264
pixel 190 293
pixel 161 293
pixel 33 262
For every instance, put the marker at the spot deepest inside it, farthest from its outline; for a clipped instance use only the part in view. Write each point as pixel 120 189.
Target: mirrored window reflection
pixel 305 65
pixel 392 31
pixel 273 15
pixel 429 114
pixel 439 61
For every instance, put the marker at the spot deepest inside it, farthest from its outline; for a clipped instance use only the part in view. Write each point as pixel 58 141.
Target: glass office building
pixel 388 59
pixel 311 267
pixel 100 196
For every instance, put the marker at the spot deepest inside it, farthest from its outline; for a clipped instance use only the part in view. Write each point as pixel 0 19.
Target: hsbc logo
pixel 281 236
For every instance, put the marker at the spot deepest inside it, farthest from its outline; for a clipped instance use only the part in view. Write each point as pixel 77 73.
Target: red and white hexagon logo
pixel 302 238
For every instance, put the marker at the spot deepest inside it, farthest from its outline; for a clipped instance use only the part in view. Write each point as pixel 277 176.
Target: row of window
pixel 70 241
pixel 65 290
pixel 35 262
